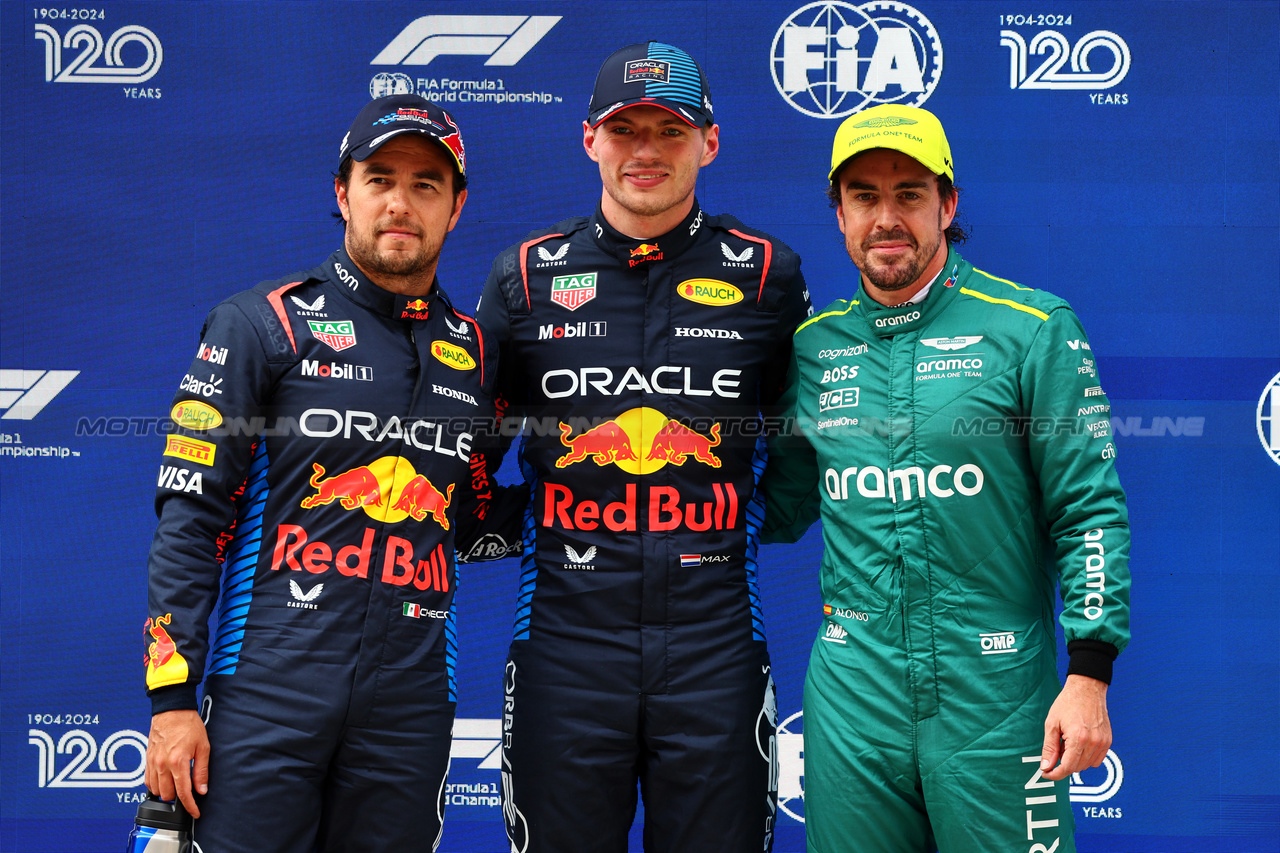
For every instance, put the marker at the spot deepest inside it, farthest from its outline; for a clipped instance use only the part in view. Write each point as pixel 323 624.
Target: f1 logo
pixel 25 392
pixel 505 39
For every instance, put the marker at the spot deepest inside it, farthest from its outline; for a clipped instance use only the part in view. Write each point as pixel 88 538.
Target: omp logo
pixel 999 643
pixel 791 771
pixel 830 59
pixel 23 393
pixel 86 752
pixel 504 39
pixel 1049 74
pixel 82 68
pixel 1268 418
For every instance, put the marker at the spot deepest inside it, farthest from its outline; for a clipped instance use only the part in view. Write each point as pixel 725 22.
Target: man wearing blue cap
pixel 640 344
pixel 321 467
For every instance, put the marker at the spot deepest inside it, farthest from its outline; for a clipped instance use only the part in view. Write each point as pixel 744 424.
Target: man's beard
pixel 375 262
pixel 897 276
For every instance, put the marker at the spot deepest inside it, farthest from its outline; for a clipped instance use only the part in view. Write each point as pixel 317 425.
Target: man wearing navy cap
pixel 640 344
pixel 322 464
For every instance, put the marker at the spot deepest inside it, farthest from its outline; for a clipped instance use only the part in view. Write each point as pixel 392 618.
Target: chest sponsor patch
pixel 573 291
pixel 958 342
pixel 453 356
pixel 336 334
pixel 709 291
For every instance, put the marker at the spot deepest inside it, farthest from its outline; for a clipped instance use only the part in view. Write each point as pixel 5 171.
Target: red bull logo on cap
pixel 639 441
pixel 387 489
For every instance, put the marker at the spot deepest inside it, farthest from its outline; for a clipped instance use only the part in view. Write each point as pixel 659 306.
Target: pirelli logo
pixel 191 449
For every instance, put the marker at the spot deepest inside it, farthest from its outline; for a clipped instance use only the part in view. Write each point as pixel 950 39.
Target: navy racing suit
pixel 640 368
pixel 323 470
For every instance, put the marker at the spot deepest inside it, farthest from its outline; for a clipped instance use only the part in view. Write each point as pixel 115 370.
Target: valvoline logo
pixel 387 489
pixel 709 291
pixel 639 441
pixel 454 356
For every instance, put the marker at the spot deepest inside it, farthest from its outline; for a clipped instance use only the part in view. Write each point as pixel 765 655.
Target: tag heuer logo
pixel 337 334
pixel 573 291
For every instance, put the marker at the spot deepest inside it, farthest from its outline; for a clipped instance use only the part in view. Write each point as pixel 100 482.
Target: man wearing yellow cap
pixel 954 437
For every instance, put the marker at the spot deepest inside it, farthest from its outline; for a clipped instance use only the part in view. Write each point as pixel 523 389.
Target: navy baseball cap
pixel 392 115
pixel 656 74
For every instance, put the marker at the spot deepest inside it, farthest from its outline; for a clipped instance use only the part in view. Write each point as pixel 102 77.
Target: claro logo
pixel 897 484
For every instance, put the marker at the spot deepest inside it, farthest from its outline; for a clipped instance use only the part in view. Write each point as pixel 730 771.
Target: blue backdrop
pixel 158 156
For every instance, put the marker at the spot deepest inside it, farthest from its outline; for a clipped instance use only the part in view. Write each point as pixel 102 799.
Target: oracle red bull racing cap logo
pixel 639 441
pixel 387 489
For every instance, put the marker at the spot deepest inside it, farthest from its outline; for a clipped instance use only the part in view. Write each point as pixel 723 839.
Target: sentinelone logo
pixel 25 392
pixel 832 59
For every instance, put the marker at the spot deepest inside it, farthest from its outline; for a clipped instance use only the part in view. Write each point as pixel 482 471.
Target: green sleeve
pixel 1073 457
pixel 790 482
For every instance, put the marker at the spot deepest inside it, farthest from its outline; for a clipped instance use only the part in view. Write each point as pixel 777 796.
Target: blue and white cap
pixel 656 74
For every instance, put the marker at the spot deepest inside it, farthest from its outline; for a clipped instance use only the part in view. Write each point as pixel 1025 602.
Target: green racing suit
pixel 959 452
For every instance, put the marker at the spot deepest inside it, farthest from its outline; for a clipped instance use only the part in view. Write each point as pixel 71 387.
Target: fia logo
pixel 82 68
pixel 830 59
pixel 1268 418
pixel 25 392
pixel 504 39
pixel 84 749
pixel 1049 74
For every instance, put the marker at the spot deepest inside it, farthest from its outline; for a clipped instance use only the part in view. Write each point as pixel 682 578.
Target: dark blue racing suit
pixel 324 469
pixel 640 368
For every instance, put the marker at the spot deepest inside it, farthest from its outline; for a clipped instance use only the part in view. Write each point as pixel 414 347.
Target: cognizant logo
pixel 831 59
pixel 896 484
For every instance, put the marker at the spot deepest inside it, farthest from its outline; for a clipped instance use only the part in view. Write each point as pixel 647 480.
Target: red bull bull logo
pixel 388 489
pixel 421 498
pixel 415 309
pixel 357 487
pixel 164 665
pixel 644 252
pixel 639 441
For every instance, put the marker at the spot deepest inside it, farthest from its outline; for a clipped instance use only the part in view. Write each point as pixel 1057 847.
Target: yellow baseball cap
pixel 911 130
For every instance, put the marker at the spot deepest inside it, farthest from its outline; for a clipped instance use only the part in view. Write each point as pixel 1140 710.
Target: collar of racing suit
pixel 357 287
pixel 888 321
pixel 637 252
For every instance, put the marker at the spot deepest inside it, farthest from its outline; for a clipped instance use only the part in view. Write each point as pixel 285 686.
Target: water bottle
pixel 161 827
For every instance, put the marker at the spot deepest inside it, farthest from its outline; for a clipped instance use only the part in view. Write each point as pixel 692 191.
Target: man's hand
pixel 1077 730
pixel 177 738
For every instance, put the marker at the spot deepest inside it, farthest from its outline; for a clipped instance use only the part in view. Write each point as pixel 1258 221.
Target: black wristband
pixel 1092 658
pixel 175 697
